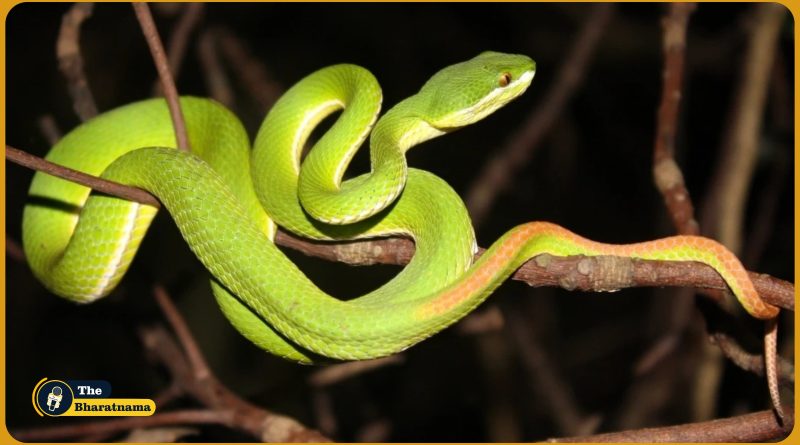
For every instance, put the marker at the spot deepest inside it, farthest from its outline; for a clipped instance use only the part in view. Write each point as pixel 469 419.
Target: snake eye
pixel 504 79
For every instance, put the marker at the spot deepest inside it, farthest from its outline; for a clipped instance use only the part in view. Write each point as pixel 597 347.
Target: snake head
pixel 466 92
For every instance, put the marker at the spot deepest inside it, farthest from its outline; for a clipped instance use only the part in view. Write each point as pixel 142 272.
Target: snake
pixel 227 196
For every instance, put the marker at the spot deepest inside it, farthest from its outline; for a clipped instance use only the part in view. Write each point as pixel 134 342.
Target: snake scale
pixel 226 198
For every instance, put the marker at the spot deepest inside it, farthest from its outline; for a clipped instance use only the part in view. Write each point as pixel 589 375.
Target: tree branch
pixel 70 62
pixel 604 273
pixel 183 417
pixel 167 82
pixel 666 172
pixel 755 427
pixel 111 188
pixel 724 207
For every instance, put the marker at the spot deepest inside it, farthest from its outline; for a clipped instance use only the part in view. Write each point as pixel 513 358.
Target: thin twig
pixel 342 371
pixel 70 61
pixel 752 362
pixel 725 203
pixel 181 329
pixel 324 413
pixel 554 391
pixel 167 83
pixel 49 128
pixel 755 427
pixel 189 416
pixel 666 173
pixel 112 188
pixel 217 81
pixel 483 321
pixel 264 425
pixel 376 431
pixel 669 181
pixel 781 122
pixel 767 204
pixel 605 273
pixel 14 250
pixel 179 39
pixel 723 210
pixel 499 172
pixel 252 72
pixel 556 271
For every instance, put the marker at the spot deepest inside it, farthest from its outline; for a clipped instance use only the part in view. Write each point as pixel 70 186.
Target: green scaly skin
pixel 226 199
pixel 81 246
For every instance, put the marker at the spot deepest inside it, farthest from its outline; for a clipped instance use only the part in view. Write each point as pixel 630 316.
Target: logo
pixel 85 398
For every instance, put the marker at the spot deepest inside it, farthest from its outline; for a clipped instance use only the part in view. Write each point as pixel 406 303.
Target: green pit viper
pixel 226 198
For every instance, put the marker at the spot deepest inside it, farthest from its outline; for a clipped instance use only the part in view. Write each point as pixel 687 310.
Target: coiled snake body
pixel 224 199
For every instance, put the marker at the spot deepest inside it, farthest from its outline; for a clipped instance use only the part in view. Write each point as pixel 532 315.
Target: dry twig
pixel 162 66
pixel 184 417
pixel 112 188
pixel 14 250
pixel 666 173
pixel 252 72
pixel 203 385
pixel 182 332
pixel 669 181
pixel 555 392
pixel 70 61
pixel 336 373
pixel 603 273
pixel 217 81
pixel 49 129
pixel 752 362
pixel 723 210
pixel 179 40
pixel 755 427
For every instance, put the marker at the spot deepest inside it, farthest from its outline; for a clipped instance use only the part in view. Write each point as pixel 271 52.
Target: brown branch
pixel 167 83
pixel 264 425
pixel 479 322
pixel 112 188
pixel 70 61
pixel 14 250
pixel 322 405
pixel 669 181
pixel 500 170
pixel 191 375
pixel 755 427
pixel 666 173
pixel 194 356
pixel 767 204
pixel 604 273
pixel 193 416
pixel 217 81
pixel 752 362
pixel 770 195
pixel 49 128
pixel 723 212
pixel 252 72
pixel 332 374
pixel 555 392
pixel 376 431
pixel 726 200
pixel 176 48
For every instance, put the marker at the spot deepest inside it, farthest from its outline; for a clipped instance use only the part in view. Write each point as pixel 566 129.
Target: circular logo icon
pixel 53 397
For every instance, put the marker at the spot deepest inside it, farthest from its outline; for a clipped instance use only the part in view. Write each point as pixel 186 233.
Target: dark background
pixel 592 174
